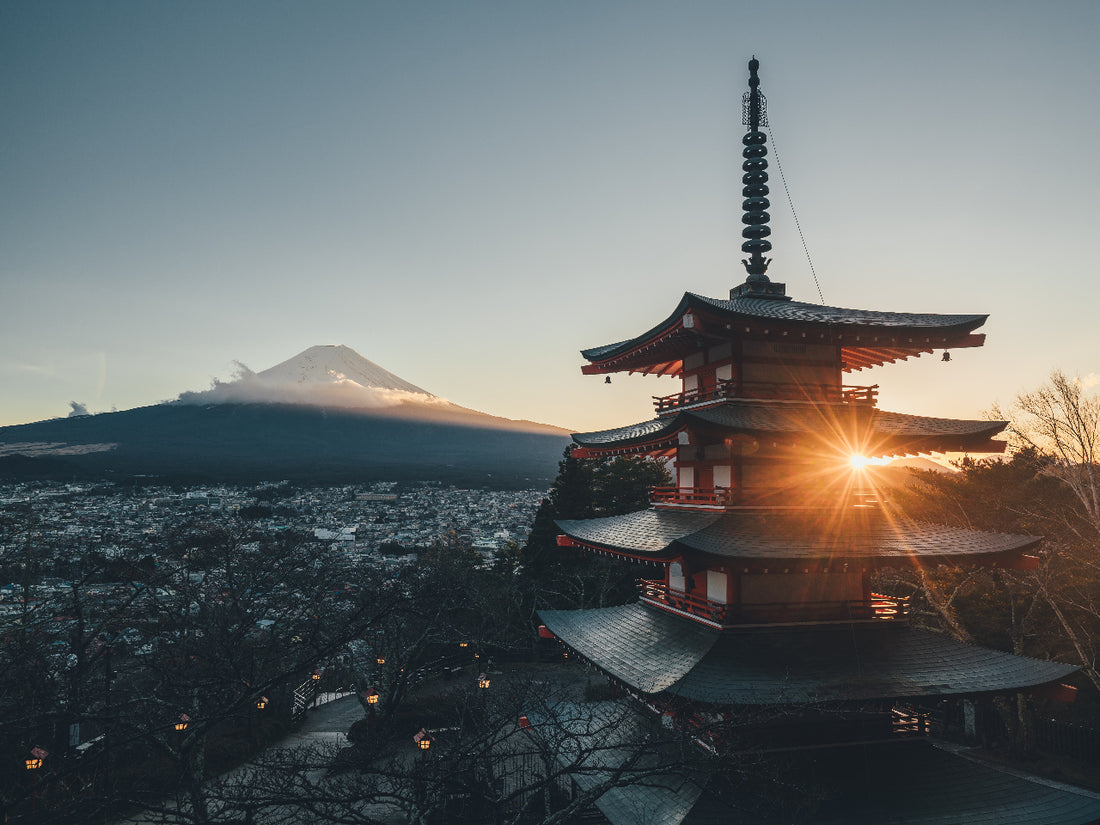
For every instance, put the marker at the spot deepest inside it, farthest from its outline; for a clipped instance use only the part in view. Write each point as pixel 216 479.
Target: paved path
pixel 325 725
pixel 328 723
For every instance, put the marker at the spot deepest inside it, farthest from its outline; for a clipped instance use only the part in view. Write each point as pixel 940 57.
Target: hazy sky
pixel 468 193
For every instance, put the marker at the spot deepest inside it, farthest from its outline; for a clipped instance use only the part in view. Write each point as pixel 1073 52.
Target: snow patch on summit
pixel 321 376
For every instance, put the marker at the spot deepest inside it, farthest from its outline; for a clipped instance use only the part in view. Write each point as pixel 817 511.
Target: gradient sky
pixel 468 193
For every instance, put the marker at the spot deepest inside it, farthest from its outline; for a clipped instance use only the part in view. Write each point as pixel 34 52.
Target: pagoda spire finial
pixel 754 114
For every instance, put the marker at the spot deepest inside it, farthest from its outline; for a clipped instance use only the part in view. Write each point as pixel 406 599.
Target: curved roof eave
pixel 894 430
pixel 795 312
pixel 794 537
pixel 655 652
pixel 640 433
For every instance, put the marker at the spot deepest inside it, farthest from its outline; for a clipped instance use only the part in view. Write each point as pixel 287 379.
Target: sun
pixel 858 462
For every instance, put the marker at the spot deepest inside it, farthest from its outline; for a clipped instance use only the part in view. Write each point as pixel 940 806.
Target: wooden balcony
pixel 704 498
pixel 878 608
pixel 910 722
pixel 724 498
pixel 822 393
pixel 858 394
pixel 724 390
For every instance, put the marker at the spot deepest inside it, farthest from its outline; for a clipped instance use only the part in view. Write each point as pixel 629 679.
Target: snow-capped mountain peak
pixel 321 376
pixel 333 363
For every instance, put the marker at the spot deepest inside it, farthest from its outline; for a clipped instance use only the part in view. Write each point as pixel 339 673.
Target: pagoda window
pixel 724 372
pixel 717 583
pixel 723 476
pixel 687 477
pixel 676 578
pixel 691 383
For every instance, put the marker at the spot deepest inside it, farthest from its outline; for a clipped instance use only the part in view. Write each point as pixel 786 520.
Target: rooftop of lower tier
pixel 907 782
pixel 655 652
pixel 780 538
pixel 878 432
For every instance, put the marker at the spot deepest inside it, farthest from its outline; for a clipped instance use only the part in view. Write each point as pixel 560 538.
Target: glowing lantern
pixel 34 761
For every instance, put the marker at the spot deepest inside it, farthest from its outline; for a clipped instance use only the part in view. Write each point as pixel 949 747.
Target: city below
pixel 373 525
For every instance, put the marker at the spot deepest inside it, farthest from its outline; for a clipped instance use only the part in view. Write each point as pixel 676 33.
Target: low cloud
pixel 36 449
pixel 339 391
pixel 78 410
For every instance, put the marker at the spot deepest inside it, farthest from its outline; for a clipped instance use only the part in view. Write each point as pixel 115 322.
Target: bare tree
pixel 1061 421
pixel 168 665
pixel 529 750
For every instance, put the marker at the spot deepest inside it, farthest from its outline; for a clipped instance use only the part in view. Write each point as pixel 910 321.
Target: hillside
pixel 250 442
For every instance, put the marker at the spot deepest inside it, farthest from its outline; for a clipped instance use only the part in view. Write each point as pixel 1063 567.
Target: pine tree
pixel 586 488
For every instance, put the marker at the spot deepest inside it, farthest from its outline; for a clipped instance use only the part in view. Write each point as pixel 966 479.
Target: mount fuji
pixel 327 415
pixel 335 364
pixel 321 376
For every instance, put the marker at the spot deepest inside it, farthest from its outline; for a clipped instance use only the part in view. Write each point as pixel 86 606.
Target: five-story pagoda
pixel 766 543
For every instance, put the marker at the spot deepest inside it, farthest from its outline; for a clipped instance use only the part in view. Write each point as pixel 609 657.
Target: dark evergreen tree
pixel 585 488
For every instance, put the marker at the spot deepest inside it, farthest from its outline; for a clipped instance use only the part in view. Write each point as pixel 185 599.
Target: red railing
pixel 692 496
pixel 847 394
pixel 909 722
pixel 724 389
pixel 856 394
pixel 657 592
pixel 889 608
pixel 710 497
pixel 878 608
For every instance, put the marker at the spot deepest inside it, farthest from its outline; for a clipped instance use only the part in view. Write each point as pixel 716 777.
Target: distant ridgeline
pixel 255 442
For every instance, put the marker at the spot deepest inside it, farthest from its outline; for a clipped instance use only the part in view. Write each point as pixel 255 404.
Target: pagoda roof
pixel 796 535
pixel 921 783
pixel 909 782
pixel 658 653
pixel 868 337
pixel 886 433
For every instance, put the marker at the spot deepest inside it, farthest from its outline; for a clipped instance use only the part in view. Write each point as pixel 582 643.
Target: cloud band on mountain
pixel 338 391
